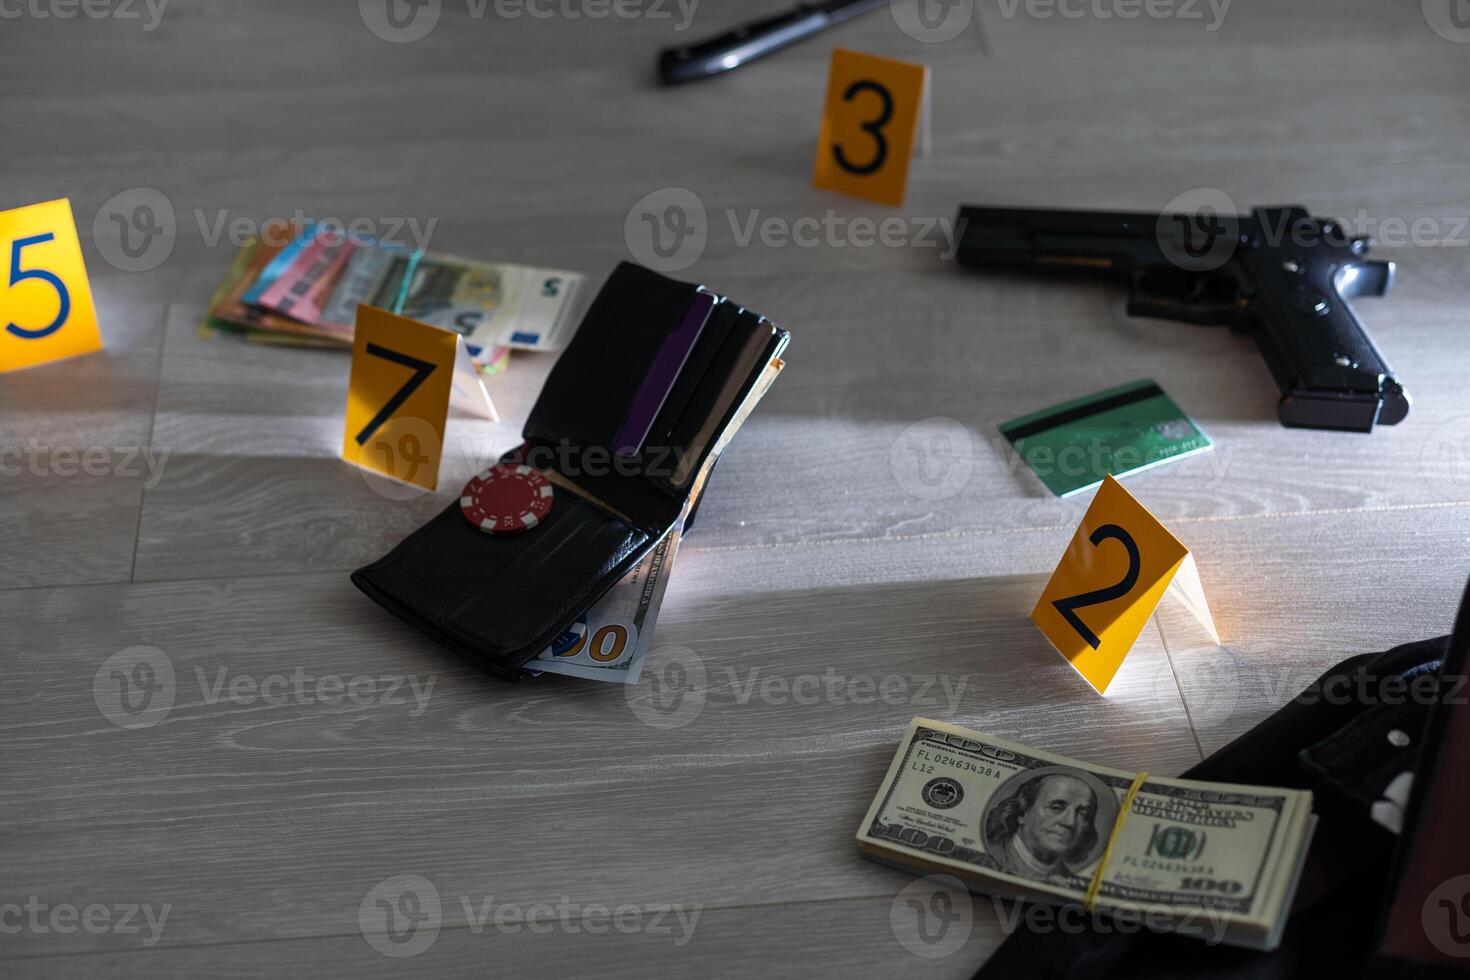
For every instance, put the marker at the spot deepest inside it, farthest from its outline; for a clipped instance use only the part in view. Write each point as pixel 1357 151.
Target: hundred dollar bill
pixel 1213 860
pixel 492 304
pixel 610 641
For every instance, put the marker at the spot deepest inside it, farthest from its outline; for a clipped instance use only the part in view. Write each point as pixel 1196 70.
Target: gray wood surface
pixel 265 824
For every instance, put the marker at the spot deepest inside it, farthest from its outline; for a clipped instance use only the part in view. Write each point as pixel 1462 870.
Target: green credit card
pixel 1072 446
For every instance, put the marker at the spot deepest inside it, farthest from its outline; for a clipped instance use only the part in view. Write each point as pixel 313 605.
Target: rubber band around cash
pixel 1089 901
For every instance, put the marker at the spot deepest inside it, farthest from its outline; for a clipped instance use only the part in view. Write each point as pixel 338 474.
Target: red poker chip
pixel 505 499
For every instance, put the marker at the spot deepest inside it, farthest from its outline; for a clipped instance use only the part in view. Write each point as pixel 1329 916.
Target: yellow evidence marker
pixel 46 309
pixel 404 376
pixel 874 108
pixel 1117 567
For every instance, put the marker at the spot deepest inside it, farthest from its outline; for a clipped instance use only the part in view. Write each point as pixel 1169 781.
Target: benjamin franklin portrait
pixel 1048 824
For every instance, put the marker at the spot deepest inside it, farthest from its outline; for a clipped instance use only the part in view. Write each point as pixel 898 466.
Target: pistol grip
pixel 1331 374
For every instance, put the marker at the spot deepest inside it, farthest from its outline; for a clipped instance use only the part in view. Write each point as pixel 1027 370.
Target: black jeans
pixel 1345 738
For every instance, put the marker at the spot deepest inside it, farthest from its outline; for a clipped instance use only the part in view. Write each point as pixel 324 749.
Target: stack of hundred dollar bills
pixel 1212 860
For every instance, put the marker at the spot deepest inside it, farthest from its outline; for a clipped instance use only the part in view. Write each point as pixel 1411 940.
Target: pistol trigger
pixel 1171 293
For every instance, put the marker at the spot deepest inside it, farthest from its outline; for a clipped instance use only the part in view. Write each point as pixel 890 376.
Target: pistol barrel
pixel 1025 238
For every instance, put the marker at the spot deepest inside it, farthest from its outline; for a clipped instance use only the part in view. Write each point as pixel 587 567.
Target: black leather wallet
pixel 627 427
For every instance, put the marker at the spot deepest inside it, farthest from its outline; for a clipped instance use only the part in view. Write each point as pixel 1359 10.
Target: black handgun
pixel 1280 275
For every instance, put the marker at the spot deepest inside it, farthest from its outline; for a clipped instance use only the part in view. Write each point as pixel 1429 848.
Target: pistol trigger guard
pixel 1372 278
pixel 1171 293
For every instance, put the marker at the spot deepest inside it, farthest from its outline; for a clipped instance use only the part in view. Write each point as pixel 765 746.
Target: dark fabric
pixel 1333 739
pixel 1423 934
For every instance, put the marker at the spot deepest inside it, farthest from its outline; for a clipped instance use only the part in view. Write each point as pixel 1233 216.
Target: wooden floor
pixel 719 842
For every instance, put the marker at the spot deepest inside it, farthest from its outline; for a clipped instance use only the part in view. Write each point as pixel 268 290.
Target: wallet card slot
pixel 725 363
pixel 721 321
pixel 662 374
pixel 587 396
pixel 738 362
pixel 547 580
pixel 716 426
